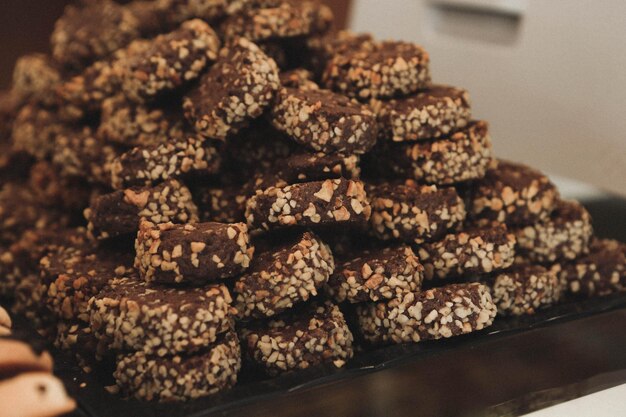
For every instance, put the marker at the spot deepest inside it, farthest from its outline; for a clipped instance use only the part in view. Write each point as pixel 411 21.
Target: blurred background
pixel 548 75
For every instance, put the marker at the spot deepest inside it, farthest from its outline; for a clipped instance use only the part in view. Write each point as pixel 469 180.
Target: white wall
pixel 549 75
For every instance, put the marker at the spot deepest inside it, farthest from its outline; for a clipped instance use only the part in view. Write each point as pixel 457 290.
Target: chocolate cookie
pixel 186 377
pixel 92 31
pixel 601 272
pixel 320 203
pixel 35 77
pixel 240 85
pixel 564 236
pixel 80 153
pixel 514 194
pixel 433 314
pixel 434 112
pixel 378 70
pixel 287 19
pixel 283 275
pixel 525 289
pixel 171 60
pixel 299 340
pixel 176 159
pixel 130 314
pixel 83 95
pixel 414 213
pixel 71 276
pixel 223 203
pixel 118 213
pixel 319 49
pixel 325 121
pixel 472 251
pixel 376 275
pixel 34 131
pixel 463 156
pixel 192 253
pixel 134 124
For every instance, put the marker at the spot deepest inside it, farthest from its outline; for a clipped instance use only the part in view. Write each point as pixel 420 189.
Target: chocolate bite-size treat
pixel 319 49
pixel 192 253
pixel 236 89
pixel 471 251
pixel 325 121
pixel 463 156
pixel 70 276
pixel 156 163
pixel 564 236
pixel 118 213
pixel 133 124
pixel 171 60
pixel 287 19
pixel 177 11
pixel 130 314
pixel 34 131
pixel 376 275
pixel 378 70
pixel 283 274
pixel 601 272
pixel 150 16
pixel 318 203
pixel 414 213
pixel 35 77
pixel 91 31
pixel 438 110
pixel 525 289
pixel 83 95
pixel 81 153
pixel 49 184
pixel 316 335
pixel 186 377
pixel 436 313
pixel 514 194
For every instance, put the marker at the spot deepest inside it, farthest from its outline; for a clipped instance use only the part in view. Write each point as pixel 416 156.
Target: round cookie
pixel 463 156
pixel 432 314
pixel 469 252
pixel 378 70
pixel 325 121
pixel 319 49
pixel 599 273
pixel 564 236
pixel 514 194
pixel 187 377
pixel 179 158
pixel 283 275
pixel 71 276
pixel 236 89
pixel 92 31
pixel 129 314
pixel 299 78
pixel 414 213
pixel 134 124
pixel 319 203
pixel 525 289
pixel 437 111
pixel 171 61
pixel 191 253
pixel 376 275
pixel 287 19
pixel 118 213
pixel 299 340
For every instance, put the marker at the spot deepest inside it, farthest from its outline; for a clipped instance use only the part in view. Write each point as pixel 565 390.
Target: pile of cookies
pixel 188 184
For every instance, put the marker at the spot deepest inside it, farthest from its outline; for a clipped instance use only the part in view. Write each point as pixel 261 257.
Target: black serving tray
pixel 515 366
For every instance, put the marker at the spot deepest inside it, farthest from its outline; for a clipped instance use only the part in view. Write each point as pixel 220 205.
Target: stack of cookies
pixel 190 183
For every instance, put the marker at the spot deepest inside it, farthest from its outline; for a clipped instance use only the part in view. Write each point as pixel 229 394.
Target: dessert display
pixel 192 188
